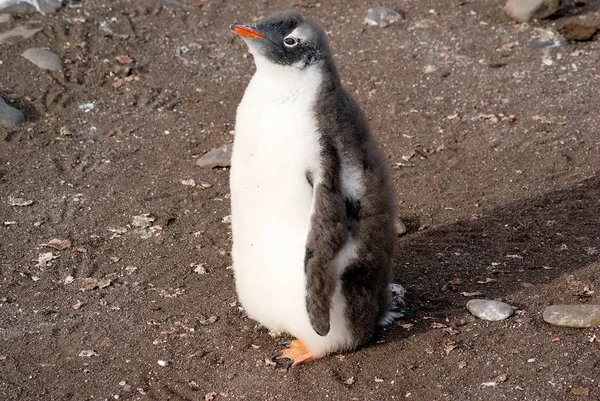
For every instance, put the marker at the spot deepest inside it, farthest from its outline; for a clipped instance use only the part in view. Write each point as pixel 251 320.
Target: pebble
pixel 17 34
pixel 490 310
pixel 526 10
pixel 578 316
pixel 44 59
pixel 399 226
pixel 381 16
pixel 9 116
pixel 220 157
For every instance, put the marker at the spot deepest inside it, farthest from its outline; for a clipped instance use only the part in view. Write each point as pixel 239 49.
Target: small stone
pixel 471 294
pixel 220 157
pixel 495 381
pixel 210 320
pixel 581 391
pixel 400 227
pixel 490 310
pixel 526 10
pixel 381 16
pixel 578 316
pixel 86 107
pixel 17 34
pixel 142 221
pixel 44 59
pixel 90 283
pixel 198 268
pixel 59 244
pixel 429 69
pixel 124 59
pixel 78 305
pixel 9 116
pixel 578 32
pixel 16 201
pixel 163 363
pixel 190 183
pixel 44 259
pixel 88 353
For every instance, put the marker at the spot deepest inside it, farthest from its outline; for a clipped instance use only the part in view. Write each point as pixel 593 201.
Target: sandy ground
pixel 495 151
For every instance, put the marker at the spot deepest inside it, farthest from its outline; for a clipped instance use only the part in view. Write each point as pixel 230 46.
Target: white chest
pixel 276 143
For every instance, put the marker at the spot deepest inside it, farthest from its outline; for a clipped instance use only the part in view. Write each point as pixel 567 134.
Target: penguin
pixel 312 205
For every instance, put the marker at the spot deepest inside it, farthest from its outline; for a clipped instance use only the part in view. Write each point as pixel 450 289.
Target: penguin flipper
pixel 326 237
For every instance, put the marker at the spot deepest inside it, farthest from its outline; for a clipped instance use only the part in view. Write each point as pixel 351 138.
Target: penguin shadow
pixel 517 247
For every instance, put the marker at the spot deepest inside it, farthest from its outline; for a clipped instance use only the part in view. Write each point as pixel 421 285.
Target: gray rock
pixel 16 35
pixel 526 10
pixel 381 16
pixel 44 59
pixel 490 310
pixel 578 316
pixel 10 116
pixel 28 6
pixel 5 18
pixel 220 157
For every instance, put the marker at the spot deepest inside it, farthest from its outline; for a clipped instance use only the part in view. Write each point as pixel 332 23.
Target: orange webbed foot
pixel 297 352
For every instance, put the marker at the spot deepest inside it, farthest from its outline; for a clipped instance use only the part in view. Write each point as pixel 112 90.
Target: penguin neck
pixel 332 78
pixel 287 82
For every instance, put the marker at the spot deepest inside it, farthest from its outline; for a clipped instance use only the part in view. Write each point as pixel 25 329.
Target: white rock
pixel 578 316
pixel 191 182
pixel 86 107
pixel 490 310
pixel 381 16
pixel 220 157
pixel 526 10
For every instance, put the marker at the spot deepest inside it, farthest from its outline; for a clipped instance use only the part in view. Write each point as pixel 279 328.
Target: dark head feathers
pixel 289 39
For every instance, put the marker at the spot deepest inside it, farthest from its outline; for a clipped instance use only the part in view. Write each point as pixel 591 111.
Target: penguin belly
pixel 276 144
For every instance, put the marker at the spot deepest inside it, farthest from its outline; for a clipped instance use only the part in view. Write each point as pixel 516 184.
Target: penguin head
pixel 286 39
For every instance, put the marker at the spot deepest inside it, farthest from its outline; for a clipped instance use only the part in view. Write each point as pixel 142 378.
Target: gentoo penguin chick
pixel 312 204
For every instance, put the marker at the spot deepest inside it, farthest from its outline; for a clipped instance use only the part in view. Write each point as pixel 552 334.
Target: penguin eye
pixel 290 42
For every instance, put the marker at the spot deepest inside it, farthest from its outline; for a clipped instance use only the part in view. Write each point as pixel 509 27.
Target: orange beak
pixel 246 32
